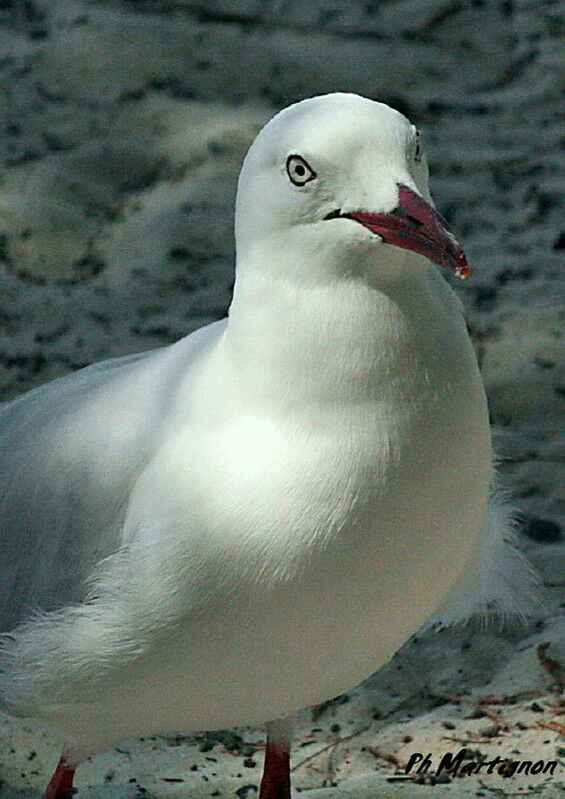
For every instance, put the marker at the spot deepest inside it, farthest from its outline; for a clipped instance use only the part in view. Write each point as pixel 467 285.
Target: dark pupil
pixel 299 169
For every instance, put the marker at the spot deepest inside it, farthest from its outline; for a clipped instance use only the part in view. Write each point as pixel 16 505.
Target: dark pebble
pixel 559 243
pixel 485 298
pixel 246 791
pixel 545 530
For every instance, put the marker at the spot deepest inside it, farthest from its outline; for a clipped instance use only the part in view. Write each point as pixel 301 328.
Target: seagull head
pixel 342 180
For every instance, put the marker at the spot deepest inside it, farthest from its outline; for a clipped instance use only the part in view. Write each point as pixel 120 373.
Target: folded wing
pixel 70 452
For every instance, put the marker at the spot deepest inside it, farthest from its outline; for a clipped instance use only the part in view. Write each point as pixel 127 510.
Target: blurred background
pixel 123 125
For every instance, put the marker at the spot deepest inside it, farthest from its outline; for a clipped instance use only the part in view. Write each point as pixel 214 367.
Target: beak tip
pixel 448 250
pixel 462 270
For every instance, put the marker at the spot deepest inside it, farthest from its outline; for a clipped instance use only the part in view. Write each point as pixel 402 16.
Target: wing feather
pixel 70 452
pixel 499 584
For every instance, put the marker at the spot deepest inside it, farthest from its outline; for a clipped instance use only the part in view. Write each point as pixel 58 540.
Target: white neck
pixel 316 342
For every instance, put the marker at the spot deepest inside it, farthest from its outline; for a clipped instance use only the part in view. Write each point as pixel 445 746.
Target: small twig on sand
pixel 330 746
pixel 551 725
pixel 472 738
pixel 388 757
pixel 491 699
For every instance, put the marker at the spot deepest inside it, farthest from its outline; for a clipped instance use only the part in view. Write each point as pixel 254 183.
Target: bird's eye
pixel 298 170
pixel 418 148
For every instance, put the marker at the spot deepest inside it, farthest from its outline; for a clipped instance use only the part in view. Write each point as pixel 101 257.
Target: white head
pixel 342 181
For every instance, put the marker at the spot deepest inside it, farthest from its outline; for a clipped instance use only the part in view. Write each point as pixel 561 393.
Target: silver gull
pixel 252 520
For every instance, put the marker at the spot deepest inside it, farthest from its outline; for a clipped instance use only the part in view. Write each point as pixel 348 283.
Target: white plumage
pixel 255 518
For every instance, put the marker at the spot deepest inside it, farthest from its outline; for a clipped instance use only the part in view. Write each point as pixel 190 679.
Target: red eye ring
pixel 299 170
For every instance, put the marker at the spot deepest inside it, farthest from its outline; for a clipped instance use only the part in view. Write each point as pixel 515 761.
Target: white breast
pixel 317 539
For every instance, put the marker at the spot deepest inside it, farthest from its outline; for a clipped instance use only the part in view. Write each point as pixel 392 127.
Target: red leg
pixel 61 784
pixel 276 770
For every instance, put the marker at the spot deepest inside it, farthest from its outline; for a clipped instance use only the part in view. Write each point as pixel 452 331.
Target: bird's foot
pixel 61 784
pixel 276 771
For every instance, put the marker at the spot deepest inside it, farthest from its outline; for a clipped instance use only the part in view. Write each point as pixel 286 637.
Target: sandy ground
pixel 122 129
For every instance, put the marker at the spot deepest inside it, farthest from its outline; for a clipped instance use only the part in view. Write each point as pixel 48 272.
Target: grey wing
pixel 70 452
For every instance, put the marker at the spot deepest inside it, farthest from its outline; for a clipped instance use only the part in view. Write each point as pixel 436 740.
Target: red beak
pixel 415 225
